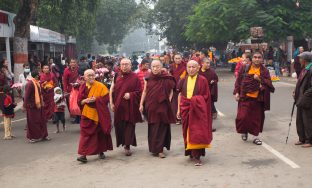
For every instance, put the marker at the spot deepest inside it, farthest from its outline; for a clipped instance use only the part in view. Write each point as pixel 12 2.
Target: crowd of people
pixel 105 92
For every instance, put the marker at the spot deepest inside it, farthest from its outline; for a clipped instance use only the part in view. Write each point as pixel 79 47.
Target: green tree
pixel 171 18
pixel 223 20
pixel 114 21
pixel 9 5
pixel 71 17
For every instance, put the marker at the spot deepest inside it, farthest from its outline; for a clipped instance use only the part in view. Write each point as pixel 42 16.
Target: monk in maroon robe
pixel 178 71
pixel 95 123
pixel 33 105
pixel 70 77
pixel 125 95
pixel 195 112
pixel 212 78
pixel 252 91
pixel 157 94
pixel 48 83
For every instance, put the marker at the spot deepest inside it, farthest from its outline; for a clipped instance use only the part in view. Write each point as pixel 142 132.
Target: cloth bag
pixel 73 105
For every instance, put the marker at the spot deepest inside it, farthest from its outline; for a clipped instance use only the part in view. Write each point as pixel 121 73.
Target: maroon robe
pixel 36 122
pixel 48 94
pixel 127 112
pixel 210 74
pixel 94 139
pixel 250 114
pixel 196 114
pixel 69 77
pixel 159 112
pixel 176 72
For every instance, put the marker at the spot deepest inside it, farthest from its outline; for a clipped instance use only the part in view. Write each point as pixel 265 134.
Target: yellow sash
pixel 97 90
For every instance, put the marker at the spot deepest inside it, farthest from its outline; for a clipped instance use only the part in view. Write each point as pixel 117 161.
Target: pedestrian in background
pixel 303 100
pixel 8 113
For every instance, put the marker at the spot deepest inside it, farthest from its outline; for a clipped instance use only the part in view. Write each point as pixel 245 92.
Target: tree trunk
pixel 22 30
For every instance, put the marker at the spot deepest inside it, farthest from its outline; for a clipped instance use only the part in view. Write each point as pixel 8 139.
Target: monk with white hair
pixel 195 111
pixel 95 124
pixel 125 93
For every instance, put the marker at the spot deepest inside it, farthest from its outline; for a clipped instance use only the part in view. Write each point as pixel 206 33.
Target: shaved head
pixel 89 76
pixel 193 62
pixel 192 68
pixel 88 71
pixel 156 67
pixel 157 62
pixel 125 65
pixel 125 60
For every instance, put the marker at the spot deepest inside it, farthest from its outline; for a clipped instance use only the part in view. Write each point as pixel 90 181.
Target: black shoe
pixel 214 130
pixel 245 137
pixel 101 156
pixel 82 159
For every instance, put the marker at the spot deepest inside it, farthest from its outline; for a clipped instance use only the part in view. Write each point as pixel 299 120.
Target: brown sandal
pixel 308 145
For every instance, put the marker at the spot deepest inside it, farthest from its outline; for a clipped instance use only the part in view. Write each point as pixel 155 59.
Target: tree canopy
pixel 114 21
pixel 224 20
pixel 171 18
pixel 106 21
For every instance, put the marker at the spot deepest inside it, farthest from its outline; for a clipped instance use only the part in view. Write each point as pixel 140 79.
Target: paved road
pixel 229 163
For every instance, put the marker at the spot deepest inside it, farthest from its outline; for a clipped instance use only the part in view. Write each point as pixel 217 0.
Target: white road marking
pixel 280 156
pixel 15 120
pixel 220 113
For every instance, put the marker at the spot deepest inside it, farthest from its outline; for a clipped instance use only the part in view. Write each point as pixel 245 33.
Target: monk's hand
pixel 256 77
pixel 87 101
pixel 127 96
pixel 141 108
pixel 112 106
pixel 237 96
pixel 92 99
pixel 178 115
pixel 212 81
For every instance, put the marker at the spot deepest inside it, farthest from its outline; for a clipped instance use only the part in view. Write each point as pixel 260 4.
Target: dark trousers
pixel 213 107
pixel 304 125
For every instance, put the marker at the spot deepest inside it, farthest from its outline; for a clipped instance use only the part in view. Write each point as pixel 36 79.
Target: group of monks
pixel 185 94
pixel 129 101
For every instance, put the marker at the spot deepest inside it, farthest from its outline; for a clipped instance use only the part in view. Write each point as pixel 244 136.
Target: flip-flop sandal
pixel 198 163
pixel 245 137
pixel 306 145
pixel 161 155
pixel 257 141
pixel 32 141
pixel 299 143
pixel 128 153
